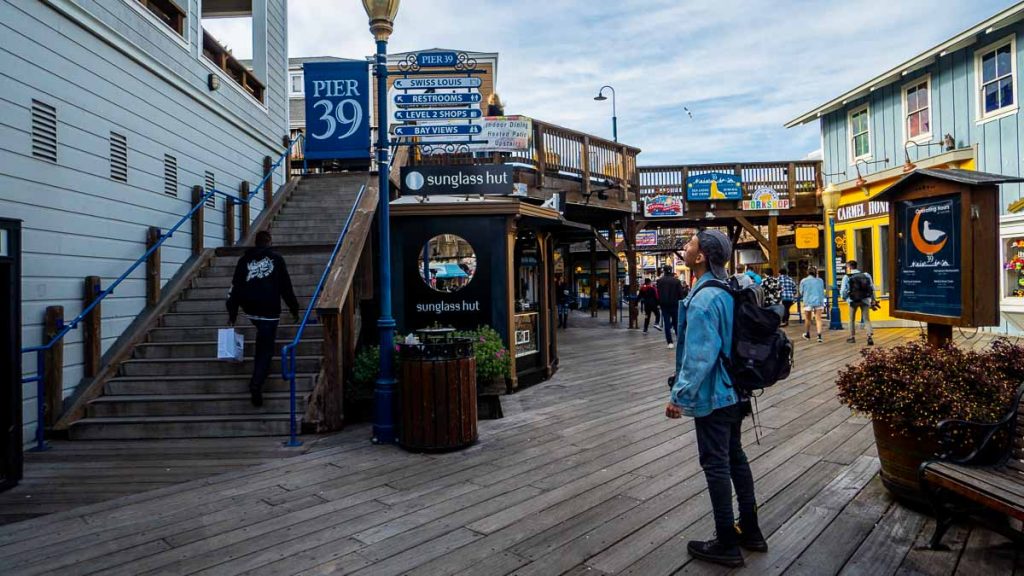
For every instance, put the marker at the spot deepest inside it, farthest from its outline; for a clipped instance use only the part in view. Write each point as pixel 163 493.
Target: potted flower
pixel 907 390
pixel 493 361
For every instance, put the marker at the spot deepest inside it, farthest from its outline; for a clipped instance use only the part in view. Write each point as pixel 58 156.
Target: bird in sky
pixel 688 113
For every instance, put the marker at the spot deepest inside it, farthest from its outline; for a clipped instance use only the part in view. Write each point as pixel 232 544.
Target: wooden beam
pixel 331 390
pixel 773 243
pixel 152 267
pixel 198 220
pixel 593 277
pixel 53 364
pixel 268 186
pixel 742 220
pixel 92 334
pixel 604 242
pixel 246 214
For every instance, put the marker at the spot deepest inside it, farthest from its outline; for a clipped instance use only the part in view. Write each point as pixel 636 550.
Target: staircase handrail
pixel 287 153
pixel 41 349
pixel 288 371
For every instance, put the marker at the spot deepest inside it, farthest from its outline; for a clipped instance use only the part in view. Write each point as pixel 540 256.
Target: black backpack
pixel 860 287
pixel 762 354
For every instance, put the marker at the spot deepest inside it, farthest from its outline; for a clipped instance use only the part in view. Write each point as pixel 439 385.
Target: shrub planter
pixel 900 455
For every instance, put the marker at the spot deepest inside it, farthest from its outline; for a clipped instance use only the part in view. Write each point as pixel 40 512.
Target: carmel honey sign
pixel 765 198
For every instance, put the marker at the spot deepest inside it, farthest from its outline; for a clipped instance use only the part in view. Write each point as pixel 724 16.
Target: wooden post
pixel 198 220
pixel 53 359
pixel 332 407
pixel 152 267
pixel 585 158
pixel 268 186
pixel 684 174
pixel 243 193
pixel 613 278
pixel 286 140
pixel 631 270
pixel 92 335
pixel 939 334
pixel 544 282
pixel 542 160
pixel 229 222
pixel 791 183
pixel 773 242
pixel 593 278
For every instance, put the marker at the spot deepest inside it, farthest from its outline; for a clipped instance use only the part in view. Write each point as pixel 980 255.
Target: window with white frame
pixel 995 70
pixel 860 134
pixel 918 110
pixel 295 84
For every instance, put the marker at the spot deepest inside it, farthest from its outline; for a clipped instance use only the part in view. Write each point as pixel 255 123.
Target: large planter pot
pixel 900 457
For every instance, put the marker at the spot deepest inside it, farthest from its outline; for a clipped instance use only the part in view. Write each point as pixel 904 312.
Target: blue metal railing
pixel 40 376
pixel 288 351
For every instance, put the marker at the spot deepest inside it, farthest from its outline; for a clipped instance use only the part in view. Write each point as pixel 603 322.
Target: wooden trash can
pixel 437 395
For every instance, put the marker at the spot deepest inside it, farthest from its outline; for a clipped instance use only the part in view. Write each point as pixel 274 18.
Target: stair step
pixel 123 386
pixel 180 427
pixel 208 366
pixel 208 349
pixel 303 292
pixel 209 333
pixel 303 258
pixel 217 305
pixel 216 319
pixel 294 269
pixel 225 280
pixel 306 238
pixel 189 405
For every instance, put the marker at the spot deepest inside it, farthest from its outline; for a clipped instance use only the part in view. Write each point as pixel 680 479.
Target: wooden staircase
pixel 174 387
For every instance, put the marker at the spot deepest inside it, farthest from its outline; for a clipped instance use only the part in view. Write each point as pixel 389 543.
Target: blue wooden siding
pixel 954 110
pixel 77 220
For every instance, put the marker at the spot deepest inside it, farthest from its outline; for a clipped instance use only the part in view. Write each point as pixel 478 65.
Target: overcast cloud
pixel 742 67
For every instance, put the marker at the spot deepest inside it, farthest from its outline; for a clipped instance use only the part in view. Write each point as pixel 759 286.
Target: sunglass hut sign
pixel 494 180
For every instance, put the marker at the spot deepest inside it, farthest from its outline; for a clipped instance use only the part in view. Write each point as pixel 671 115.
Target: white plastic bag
pixel 230 345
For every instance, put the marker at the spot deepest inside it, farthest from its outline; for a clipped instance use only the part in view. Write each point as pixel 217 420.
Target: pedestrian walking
pixel 859 292
pixel 704 390
pixel 789 294
pixel 753 274
pixel 772 288
pixel 563 297
pixel 812 295
pixel 649 304
pixel 670 292
pixel 259 284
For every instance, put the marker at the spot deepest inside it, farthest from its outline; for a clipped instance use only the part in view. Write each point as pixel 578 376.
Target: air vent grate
pixel 118 157
pixel 211 183
pixel 170 175
pixel 44 131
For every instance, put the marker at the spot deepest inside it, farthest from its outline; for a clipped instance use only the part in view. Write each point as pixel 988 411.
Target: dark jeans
pixel 787 305
pixel 266 335
pixel 648 310
pixel 670 321
pixel 723 460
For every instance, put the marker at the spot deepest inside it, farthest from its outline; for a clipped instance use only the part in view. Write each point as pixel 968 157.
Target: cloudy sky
pixel 742 67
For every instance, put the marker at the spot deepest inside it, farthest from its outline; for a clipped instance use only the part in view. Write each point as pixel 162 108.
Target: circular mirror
pixel 447 263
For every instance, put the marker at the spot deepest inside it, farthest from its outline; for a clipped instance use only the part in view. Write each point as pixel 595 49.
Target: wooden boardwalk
pixel 585 475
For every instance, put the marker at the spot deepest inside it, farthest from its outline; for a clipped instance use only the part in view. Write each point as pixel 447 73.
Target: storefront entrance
pixel 10 353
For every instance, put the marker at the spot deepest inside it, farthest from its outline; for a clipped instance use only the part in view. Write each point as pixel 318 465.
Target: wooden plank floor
pixel 584 475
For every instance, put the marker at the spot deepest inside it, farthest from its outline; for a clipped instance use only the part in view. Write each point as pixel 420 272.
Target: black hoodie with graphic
pixel 260 282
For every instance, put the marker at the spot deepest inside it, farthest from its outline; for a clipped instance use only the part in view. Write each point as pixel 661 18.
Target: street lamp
pixel 615 121
pixel 830 198
pixel 382 16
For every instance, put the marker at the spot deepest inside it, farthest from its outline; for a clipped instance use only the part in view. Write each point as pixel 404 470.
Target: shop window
pixel 918 111
pixel 883 252
pixel 447 263
pixel 865 252
pixel 295 84
pixel 995 69
pixel 860 134
pixel 1014 267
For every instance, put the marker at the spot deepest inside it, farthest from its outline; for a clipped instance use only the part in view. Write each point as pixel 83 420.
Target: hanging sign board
pixel 714 186
pixel 765 198
pixel 443 82
pixel 337 110
pixel 862 210
pixel 647 238
pixel 662 202
pixel 488 179
pixel 438 114
pixel 438 130
pixel 929 259
pixel 436 59
pixel 807 237
pixel 435 99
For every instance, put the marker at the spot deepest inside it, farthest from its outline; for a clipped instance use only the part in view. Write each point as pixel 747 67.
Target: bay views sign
pixel 862 210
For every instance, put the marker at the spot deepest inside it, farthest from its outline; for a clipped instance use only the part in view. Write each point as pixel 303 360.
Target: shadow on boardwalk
pixel 584 475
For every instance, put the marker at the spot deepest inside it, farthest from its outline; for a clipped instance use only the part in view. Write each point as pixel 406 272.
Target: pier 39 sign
pixel 337 110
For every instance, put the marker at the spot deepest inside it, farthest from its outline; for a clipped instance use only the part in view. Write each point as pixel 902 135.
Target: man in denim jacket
pixel 704 391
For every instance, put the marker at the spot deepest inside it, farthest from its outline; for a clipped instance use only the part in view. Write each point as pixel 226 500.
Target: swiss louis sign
pixel 928 255
pixel 441 82
pixel 337 110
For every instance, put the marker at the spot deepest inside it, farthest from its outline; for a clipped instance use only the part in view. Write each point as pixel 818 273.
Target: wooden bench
pixel 993 481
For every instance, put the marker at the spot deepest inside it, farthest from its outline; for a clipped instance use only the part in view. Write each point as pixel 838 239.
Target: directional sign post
pixel 440 82
pixel 438 114
pixel 405 100
pixel 438 130
pixel 436 59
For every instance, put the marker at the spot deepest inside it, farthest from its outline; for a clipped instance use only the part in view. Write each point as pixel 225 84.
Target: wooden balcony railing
pixel 560 152
pixel 226 62
pixel 799 181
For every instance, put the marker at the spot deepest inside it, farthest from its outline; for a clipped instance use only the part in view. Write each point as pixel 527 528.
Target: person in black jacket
pixel 260 282
pixel 670 292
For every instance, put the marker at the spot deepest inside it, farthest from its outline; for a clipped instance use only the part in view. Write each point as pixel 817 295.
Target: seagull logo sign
pixel 927 240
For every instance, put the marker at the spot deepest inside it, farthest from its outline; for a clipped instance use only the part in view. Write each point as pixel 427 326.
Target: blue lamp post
pixel 615 120
pixel 382 16
pixel 830 198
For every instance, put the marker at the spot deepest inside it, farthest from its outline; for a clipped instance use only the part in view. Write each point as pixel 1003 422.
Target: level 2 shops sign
pixel 714 186
pixel 457 180
pixel 929 256
pixel 765 198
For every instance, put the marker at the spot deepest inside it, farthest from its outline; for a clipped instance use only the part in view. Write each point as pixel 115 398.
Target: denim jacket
pixel 705 322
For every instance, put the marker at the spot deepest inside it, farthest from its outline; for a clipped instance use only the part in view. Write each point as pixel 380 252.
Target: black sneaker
pixel 851 340
pixel 751 540
pixel 871 341
pixel 819 339
pixel 717 552
pixel 256 396
pixel 807 335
